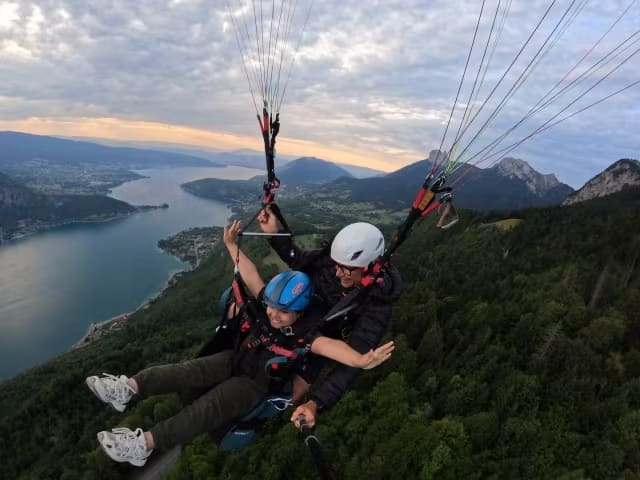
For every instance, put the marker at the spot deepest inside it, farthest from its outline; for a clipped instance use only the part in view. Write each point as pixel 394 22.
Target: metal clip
pixel 446 209
pixel 287 331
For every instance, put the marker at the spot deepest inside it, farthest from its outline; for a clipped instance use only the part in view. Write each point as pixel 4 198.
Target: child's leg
pixel 226 402
pixel 203 372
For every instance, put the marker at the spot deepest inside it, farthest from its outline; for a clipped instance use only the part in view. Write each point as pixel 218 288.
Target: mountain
pixel 20 148
pixel 310 170
pixel 620 175
pixel 240 158
pixel 244 157
pixel 511 184
pixel 305 171
pixel 537 183
pixel 361 172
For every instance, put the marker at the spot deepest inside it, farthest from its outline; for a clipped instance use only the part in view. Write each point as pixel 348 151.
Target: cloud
pixel 376 76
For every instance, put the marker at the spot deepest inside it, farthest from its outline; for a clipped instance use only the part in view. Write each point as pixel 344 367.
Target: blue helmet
pixel 290 291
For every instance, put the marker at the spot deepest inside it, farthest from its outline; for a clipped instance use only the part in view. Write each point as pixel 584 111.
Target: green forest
pixel 42 211
pixel 517 356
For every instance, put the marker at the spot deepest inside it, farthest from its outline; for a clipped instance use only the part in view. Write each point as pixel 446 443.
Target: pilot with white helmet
pixel 335 272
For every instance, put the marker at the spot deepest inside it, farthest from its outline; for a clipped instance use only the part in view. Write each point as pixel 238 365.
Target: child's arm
pixel 248 270
pixel 341 352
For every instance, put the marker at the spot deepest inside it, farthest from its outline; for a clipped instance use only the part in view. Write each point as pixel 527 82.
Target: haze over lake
pixel 55 284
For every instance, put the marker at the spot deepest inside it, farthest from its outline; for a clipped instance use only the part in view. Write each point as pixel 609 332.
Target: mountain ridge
pixel 622 174
pixel 513 184
pixel 510 185
pixel 244 157
pixel 19 147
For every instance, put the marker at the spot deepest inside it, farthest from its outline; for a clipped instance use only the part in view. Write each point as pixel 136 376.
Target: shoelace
pixel 130 444
pixel 280 403
pixel 120 391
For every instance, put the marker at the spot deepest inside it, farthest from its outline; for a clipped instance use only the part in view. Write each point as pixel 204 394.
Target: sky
pixel 371 83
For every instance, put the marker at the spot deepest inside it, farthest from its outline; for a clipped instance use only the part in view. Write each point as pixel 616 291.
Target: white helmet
pixel 357 245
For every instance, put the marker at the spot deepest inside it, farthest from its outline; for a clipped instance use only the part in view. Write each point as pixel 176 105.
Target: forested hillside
pixel 23 211
pixel 518 356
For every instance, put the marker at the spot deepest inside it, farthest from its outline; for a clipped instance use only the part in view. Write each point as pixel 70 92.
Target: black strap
pixel 278 213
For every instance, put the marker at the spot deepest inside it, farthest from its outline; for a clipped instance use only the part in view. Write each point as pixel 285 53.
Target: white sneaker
pixel 124 445
pixel 111 389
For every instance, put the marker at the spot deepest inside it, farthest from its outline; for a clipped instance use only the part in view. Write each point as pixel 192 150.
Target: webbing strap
pixel 270 129
pixel 278 213
pixel 285 352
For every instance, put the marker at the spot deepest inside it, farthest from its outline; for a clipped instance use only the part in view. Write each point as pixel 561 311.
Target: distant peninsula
pixel 192 245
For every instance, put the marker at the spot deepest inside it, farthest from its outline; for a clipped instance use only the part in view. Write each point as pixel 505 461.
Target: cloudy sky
pixel 373 82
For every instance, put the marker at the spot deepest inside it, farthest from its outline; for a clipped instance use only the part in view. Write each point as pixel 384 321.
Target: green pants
pixel 229 398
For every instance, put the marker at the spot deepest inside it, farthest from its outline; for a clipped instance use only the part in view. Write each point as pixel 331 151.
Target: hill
pixel 20 148
pixel 60 166
pixel 23 211
pixel 229 191
pixel 517 356
pixel 624 173
pixel 361 172
pixel 243 158
pixel 310 170
pixel 302 172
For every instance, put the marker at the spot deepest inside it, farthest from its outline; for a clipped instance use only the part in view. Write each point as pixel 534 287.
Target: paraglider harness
pixel 286 344
pixel 247 332
pixel 248 329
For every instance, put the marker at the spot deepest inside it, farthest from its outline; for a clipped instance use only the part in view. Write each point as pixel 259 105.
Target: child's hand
pixel 231 232
pixel 267 221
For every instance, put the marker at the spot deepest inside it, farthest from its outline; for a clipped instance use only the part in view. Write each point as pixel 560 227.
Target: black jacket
pixel 364 326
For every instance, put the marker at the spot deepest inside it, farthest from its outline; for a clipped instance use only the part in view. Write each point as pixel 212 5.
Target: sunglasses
pixel 347 271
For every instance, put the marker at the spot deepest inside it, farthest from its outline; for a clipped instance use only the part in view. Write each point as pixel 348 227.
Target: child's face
pixel 281 318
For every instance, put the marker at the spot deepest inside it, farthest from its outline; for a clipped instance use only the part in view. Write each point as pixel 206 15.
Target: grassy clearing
pixel 310 241
pixel 506 224
pixel 306 242
pixel 321 211
pixel 274 259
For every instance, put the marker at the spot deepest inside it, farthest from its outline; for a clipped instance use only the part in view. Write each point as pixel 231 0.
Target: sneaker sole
pixel 117 406
pixel 110 454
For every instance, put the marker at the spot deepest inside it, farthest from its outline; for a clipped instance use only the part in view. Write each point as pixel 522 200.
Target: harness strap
pixel 275 209
pixel 285 352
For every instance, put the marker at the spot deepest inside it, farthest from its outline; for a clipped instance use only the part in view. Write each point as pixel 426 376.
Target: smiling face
pixel 348 276
pixel 281 318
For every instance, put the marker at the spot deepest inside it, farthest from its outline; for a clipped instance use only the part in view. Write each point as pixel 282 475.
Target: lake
pixel 55 284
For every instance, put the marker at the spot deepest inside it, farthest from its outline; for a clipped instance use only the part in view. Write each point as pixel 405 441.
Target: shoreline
pixel 113 324
pixel 23 235
pixel 35 231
